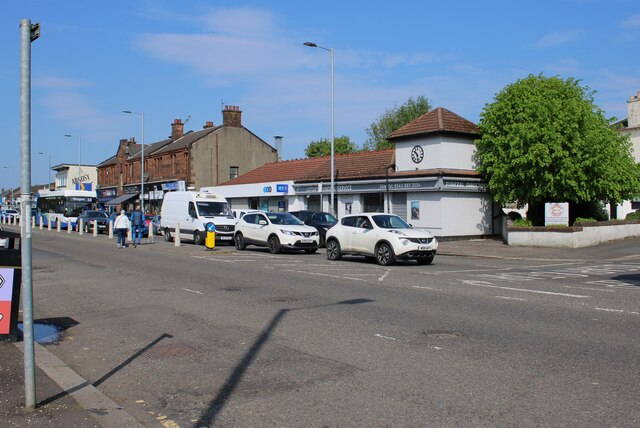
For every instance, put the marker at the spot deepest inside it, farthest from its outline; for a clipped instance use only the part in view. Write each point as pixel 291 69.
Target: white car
pixel 385 237
pixel 275 230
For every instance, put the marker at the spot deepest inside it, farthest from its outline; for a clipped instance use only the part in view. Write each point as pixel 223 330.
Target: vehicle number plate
pixel 424 247
pixel 306 241
pixel 225 238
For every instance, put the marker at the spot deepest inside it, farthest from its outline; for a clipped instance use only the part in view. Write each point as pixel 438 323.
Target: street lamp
pixel 142 160
pixel 313 45
pixel 48 182
pixel 79 153
pixel 11 168
pixel 386 176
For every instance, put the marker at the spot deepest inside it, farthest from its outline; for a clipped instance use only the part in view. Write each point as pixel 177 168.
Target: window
pixel 373 202
pixel 349 221
pixel 233 172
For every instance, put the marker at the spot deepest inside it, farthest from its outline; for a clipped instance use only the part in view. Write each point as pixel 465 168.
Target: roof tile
pixel 437 120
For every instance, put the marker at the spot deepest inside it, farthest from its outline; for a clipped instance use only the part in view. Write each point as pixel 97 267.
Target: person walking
pixel 137 222
pixel 122 225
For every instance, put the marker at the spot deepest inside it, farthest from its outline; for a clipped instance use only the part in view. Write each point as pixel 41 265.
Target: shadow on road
pixel 631 279
pixel 208 417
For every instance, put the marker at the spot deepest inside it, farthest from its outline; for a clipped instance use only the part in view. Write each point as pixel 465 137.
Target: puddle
pixel 44 333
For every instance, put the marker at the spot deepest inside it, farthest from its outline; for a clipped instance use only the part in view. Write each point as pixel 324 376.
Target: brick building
pixel 183 161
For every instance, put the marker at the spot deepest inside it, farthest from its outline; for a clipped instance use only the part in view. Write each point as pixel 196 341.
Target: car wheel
pixel 167 235
pixel 384 254
pixel 425 260
pixel 274 245
pixel 240 245
pixel 198 238
pixel 310 250
pixel 333 250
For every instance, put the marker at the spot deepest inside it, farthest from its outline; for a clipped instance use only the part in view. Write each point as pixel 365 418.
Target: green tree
pixel 322 147
pixel 393 119
pixel 544 140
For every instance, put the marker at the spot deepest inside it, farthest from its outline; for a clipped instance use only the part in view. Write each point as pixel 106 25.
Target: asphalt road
pixel 188 337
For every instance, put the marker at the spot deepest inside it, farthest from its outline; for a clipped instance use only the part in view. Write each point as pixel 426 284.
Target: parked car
pixel 277 231
pixel 88 218
pixel 321 220
pixel 385 237
pixel 10 213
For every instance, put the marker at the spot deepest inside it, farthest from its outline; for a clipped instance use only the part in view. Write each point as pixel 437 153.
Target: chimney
pixel 177 129
pixel 278 140
pixel 232 116
pixel 208 125
pixel 633 111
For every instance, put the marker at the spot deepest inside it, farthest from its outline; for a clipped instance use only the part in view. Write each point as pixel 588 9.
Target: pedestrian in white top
pixel 122 226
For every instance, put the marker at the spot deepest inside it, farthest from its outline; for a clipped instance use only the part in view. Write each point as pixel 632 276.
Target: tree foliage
pixel 544 140
pixel 322 147
pixel 393 119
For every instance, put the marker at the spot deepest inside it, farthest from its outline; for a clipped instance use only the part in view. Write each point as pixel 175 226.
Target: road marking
pixel 385 337
pixel 590 289
pixel 325 274
pixel 525 290
pixel 192 291
pixel 421 287
pixel 510 298
pixel 385 275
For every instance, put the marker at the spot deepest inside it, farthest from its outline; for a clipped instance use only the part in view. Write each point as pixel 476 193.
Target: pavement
pixel 64 399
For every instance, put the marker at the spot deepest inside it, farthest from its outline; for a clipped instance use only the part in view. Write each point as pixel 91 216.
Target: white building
pixel 75 177
pixel 631 126
pixel 429 179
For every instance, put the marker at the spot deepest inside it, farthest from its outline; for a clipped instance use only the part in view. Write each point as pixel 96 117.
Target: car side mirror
pixel 262 222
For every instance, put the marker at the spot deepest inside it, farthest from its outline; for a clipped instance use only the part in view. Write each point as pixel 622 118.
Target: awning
pixel 120 199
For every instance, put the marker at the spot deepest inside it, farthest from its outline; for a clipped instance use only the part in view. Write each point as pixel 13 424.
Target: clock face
pixel 417 154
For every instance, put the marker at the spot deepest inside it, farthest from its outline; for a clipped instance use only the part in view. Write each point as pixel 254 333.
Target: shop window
pixel 373 202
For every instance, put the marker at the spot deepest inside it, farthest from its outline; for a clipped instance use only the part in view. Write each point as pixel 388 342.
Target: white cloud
pixel 559 38
pixel 632 23
pixel 53 82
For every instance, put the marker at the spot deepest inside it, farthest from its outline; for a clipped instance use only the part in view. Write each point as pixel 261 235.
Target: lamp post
pixel 11 168
pixel 313 45
pixel 79 153
pixel 142 160
pixel 386 176
pixel 48 182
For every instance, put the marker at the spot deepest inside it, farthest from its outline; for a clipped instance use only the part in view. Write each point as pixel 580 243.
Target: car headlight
pixel 404 241
pixel 287 232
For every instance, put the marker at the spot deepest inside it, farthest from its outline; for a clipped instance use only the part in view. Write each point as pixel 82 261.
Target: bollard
pixel 49 225
pixel 68 226
pixel 129 236
pixel 33 222
pixel 95 227
pixel 58 226
pixel 176 238
pixel 80 224
pixel 110 230
pixel 40 223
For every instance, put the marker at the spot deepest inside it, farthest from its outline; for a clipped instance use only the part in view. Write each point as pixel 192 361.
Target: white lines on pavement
pixel 422 287
pixel 324 274
pixel 613 283
pixel 384 337
pixel 192 291
pixel 524 290
pixel 384 276
pixel 619 311
pixel 602 290
pixel 510 298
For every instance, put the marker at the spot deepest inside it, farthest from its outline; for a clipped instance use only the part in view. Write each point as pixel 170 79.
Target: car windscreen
pixel 390 222
pixel 283 218
pixel 211 209
pixel 95 214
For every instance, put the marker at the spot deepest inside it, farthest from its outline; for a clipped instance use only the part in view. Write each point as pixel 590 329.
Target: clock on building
pixel 417 154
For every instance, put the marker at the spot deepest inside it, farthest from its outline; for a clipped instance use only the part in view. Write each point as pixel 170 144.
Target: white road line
pixel 590 289
pixel 609 310
pixel 385 275
pixel 525 290
pixel 385 337
pixel 324 274
pixel 510 298
pixel 421 287
pixel 192 291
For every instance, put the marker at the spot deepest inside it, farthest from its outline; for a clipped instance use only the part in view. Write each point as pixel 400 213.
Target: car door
pixel 364 235
pixel 262 228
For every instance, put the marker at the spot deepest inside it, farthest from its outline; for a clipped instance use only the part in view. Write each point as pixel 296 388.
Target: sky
pixel 185 60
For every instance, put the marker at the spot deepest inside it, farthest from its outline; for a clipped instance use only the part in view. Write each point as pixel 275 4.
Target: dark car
pixel 321 220
pixel 155 225
pixel 88 218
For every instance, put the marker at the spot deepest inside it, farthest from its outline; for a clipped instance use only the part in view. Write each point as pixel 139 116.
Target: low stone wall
pixel 578 236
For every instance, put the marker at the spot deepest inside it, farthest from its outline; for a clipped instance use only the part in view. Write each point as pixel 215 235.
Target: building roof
pixel 354 166
pixel 438 120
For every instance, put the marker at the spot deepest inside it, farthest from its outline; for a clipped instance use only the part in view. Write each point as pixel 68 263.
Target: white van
pixel 192 211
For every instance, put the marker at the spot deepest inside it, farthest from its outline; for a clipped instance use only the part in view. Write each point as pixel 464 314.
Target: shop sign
pixel 131 190
pixel 173 185
pixel 556 213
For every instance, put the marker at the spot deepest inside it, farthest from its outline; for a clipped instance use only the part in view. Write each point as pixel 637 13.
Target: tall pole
pixel 28 33
pixel 79 153
pixel 313 45
pixel 142 160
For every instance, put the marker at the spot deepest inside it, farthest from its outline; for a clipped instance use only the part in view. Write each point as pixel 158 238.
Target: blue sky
pixel 185 60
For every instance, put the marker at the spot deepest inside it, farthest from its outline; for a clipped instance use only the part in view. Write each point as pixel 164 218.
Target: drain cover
pixel 170 350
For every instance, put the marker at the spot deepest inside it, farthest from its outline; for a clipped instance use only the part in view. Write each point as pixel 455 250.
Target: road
pixel 185 337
